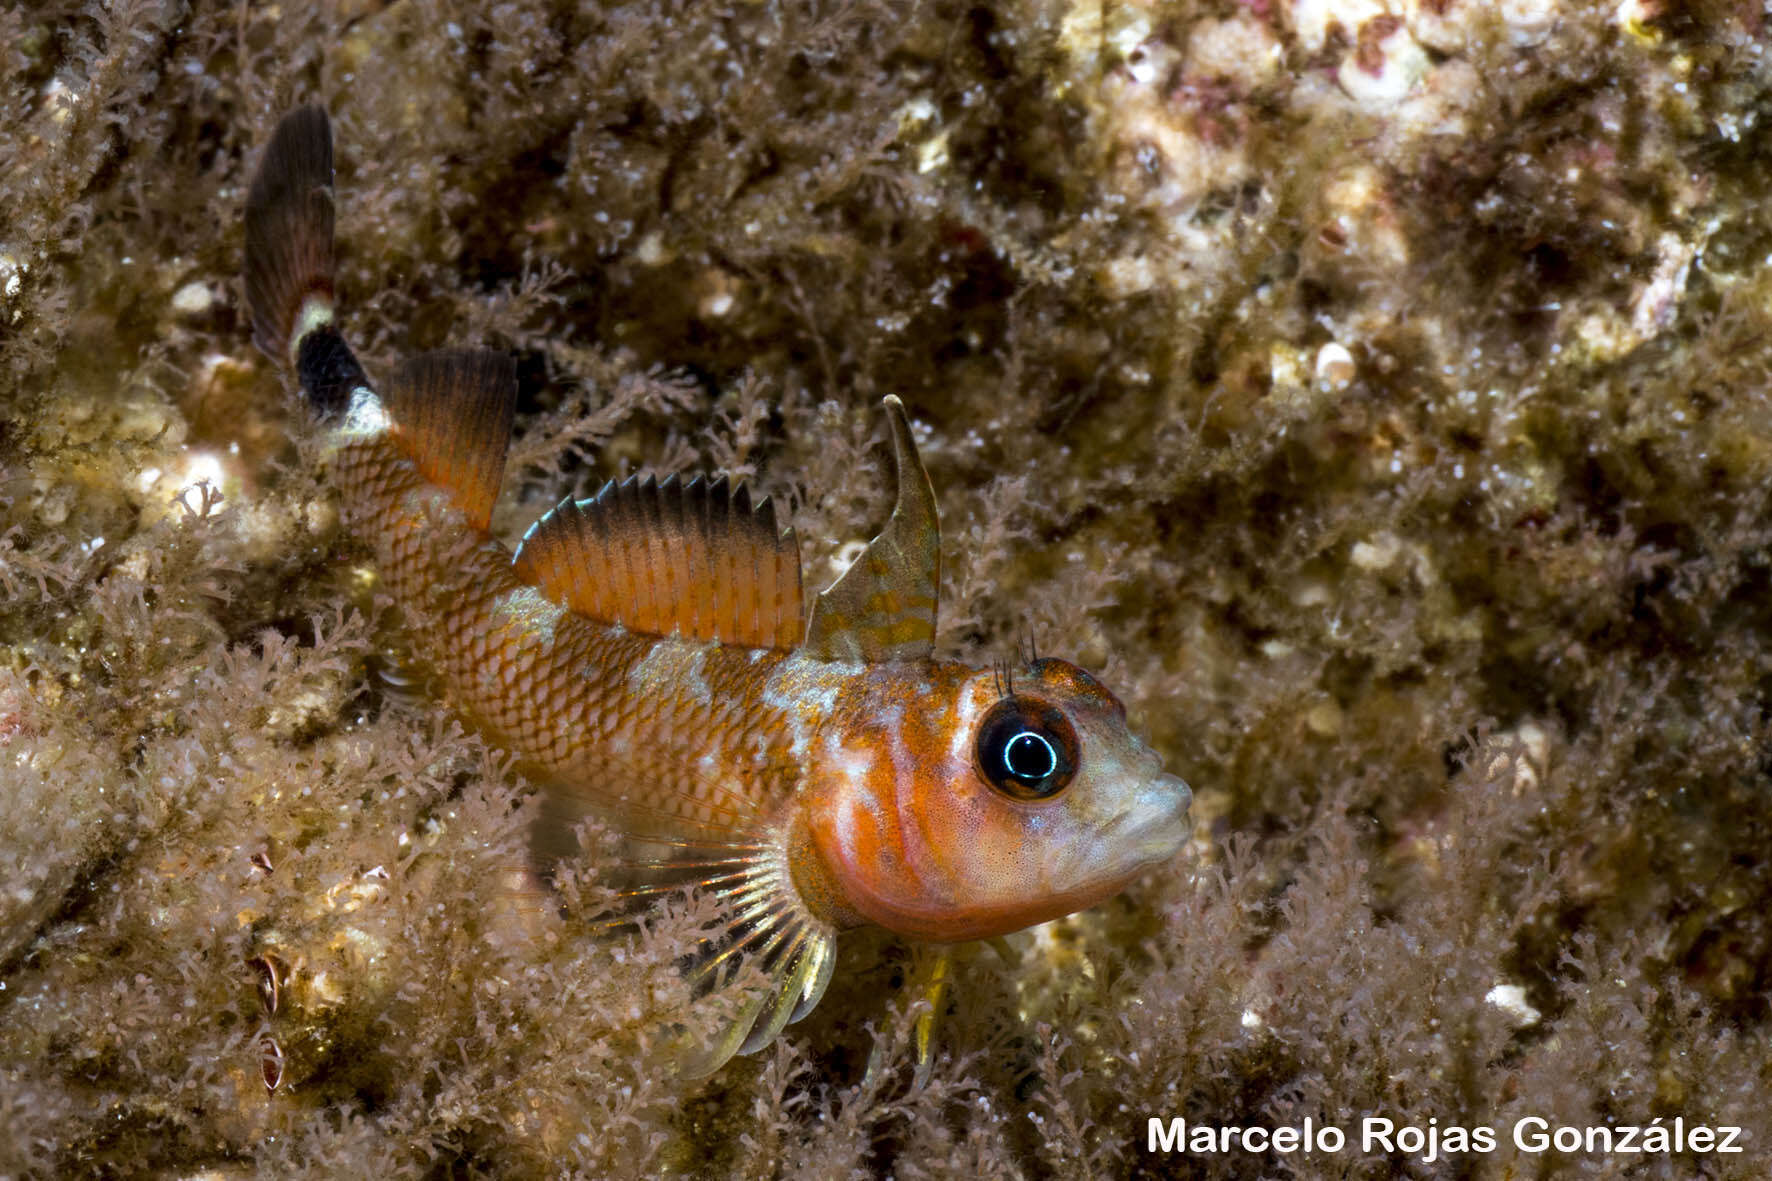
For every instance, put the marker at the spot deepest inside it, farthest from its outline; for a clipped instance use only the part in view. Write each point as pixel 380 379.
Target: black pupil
pixel 1026 749
pixel 1030 757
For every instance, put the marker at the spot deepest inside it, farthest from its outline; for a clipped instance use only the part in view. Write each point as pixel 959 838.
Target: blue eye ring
pixel 1029 756
pixel 1026 749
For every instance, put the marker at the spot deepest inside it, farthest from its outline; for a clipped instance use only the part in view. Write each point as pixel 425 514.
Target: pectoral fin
pixel 769 956
pixel 883 607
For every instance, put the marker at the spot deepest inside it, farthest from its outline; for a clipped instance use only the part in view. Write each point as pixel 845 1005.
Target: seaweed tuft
pixel 1376 395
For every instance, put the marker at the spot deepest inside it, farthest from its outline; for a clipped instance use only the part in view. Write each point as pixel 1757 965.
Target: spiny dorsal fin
pixel 883 607
pixel 668 558
pixel 452 416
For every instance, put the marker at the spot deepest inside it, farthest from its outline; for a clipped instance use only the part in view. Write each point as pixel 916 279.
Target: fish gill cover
pixel 1374 394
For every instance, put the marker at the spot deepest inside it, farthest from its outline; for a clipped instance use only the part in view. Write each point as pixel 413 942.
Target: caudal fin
pixel 289 259
pixel 289 229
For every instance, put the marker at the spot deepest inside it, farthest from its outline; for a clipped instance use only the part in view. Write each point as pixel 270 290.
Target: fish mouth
pixel 1157 824
pixel 1150 830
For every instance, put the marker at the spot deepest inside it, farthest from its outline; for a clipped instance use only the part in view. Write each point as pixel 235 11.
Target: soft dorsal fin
pixel 452 416
pixel 883 607
pixel 668 558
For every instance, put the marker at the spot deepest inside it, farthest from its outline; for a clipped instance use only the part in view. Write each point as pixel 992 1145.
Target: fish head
pixel 1005 802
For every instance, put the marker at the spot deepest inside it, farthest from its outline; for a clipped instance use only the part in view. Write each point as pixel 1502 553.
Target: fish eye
pixel 1026 749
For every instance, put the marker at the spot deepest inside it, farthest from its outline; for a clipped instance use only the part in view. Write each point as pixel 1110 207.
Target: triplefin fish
pixel 648 657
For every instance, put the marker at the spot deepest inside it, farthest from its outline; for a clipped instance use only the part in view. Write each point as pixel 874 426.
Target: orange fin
pixel 883 607
pixel 289 220
pixel 667 558
pixel 452 417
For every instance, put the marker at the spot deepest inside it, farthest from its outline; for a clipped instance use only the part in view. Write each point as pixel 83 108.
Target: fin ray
pixel 289 227
pixel 669 558
pixel 452 414
pixel 787 998
pixel 883 608
pixel 290 261
pixel 766 928
pixel 764 941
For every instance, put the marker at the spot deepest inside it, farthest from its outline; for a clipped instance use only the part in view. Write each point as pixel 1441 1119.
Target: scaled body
pixel 645 657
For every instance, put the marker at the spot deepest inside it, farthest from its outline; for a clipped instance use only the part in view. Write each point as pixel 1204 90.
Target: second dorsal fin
pixel 452 416
pixel 668 558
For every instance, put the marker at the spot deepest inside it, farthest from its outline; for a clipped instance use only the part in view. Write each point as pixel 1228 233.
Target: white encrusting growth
pixel 803 681
pixel 673 667
pixel 804 690
pixel 854 763
pixel 904 763
pixel 365 417
pixel 529 612
pixel 855 766
pixel 316 312
pixel 528 620
pixel 965 715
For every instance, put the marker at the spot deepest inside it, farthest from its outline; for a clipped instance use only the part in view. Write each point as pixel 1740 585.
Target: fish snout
pixel 1148 828
pixel 1157 824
